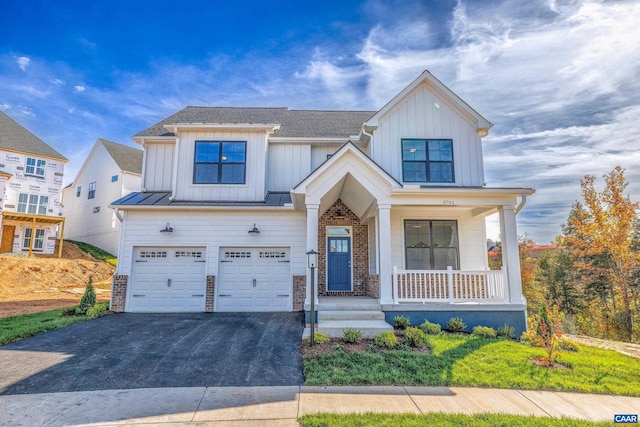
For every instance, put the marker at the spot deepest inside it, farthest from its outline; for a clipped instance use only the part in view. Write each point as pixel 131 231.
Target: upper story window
pixel 431 245
pixel 219 162
pixel 35 166
pixel 92 190
pixel 114 178
pixel 78 191
pixel 33 204
pixel 427 160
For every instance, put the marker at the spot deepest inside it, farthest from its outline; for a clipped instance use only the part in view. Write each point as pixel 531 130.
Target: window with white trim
pixel 33 204
pixel 38 243
pixel 92 191
pixel 35 167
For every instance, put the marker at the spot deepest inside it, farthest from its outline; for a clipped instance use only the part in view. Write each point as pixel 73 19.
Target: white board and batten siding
pixel 158 166
pixel 319 154
pixel 425 114
pixel 255 168
pixel 287 165
pixel 471 234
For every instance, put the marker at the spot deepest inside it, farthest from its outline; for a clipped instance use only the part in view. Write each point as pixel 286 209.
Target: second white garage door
pixel 254 279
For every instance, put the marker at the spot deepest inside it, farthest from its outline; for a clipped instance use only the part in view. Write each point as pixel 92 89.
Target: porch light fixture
pixel 312 262
pixel 167 229
pixel 254 231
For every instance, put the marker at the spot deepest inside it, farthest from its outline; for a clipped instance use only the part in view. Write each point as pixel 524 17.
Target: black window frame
pixel 427 161
pixel 91 194
pixel 430 245
pixel 220 163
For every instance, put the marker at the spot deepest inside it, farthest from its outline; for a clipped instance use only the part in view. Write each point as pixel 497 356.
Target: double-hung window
pixel 33 204
pixel 92 190
pixel 35 166
pixel 431 244
pixel 427 160
pixel 38 243
pixel 219 162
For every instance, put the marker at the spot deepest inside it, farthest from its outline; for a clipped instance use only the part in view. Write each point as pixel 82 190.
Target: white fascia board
pixel 199 208
pixel 142 140
pixel 481 192
pixel 269 127
pixel 312 141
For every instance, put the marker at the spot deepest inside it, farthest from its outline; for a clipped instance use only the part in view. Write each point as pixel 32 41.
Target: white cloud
pixel 23 62
pixel 79 88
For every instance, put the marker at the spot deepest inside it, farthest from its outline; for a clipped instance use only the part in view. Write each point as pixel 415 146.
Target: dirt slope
pixel 43 282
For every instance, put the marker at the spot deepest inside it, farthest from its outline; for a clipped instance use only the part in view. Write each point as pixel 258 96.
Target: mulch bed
pixel 365 346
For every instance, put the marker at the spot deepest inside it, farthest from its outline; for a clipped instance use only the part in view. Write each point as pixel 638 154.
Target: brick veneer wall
pixel 210 294
pixel 373 286
pixel 340 214
pixel 299 292
pixel 119 292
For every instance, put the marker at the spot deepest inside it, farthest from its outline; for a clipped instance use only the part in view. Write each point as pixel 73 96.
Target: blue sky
pixel 559 79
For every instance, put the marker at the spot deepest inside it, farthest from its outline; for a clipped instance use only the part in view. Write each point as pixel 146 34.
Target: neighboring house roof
pixel 15 137
pixel 127 158
pixel 293 123
pixel 161 198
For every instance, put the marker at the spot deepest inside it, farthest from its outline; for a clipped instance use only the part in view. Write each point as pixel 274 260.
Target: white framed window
pixel 92 191
pixel 38 243
pixel 35 166
pixel 33 204
pixel 114 178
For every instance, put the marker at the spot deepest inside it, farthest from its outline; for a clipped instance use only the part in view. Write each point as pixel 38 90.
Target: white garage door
pixel 168 279
pixel 254 279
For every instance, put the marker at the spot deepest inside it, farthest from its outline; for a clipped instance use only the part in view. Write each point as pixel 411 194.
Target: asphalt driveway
pixel 126 350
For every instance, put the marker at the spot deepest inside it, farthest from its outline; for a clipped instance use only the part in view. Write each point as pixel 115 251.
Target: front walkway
pixel 281 406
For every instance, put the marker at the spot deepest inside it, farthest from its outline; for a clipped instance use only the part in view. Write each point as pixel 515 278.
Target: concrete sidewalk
pixel 281 406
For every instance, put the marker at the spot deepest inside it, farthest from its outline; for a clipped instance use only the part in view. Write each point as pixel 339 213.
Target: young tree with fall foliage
pixel 602 237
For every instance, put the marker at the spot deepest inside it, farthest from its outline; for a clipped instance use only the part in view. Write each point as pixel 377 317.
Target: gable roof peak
pixel 15 137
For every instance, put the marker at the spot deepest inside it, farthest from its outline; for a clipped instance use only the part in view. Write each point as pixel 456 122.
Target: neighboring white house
pixel 31 174
pixel 110 171
pixel 394 201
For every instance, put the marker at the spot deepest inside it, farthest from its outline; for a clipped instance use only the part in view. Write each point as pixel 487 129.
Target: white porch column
pixel 312 244
pixel 510 255
pixel 384 244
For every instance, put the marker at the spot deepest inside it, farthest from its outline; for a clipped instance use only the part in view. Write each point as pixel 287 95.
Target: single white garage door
pixel 168 279
pixel 254 279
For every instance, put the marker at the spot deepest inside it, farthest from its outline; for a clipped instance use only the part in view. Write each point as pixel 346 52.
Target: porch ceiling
pixel 352 193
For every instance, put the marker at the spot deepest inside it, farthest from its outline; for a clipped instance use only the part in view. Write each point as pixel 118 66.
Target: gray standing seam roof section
pixel 161 198
pixel 293 123
pixel 128 159
pixel 15 137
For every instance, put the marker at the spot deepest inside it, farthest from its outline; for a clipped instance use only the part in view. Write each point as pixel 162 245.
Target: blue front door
pixel 339 264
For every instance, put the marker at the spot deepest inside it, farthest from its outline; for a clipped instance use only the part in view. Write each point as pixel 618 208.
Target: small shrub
pixel 566 344
pixel 351 336
pixel 484 332
pixel 69 311
pixel 338 348
pixel 88 299
pixel 414 336
pixel 455 324
pixel 385 339
pixel 319 338
pixel 545 331
pixel 98 310
pixel 372 348
pixel 506 331
pixel 401 322
pixel 404 347
pixel 430 328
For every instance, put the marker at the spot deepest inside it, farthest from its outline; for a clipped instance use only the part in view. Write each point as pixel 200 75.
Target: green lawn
pixel 466 360
pixel 440 420
pixel 95 252
pixel 26 325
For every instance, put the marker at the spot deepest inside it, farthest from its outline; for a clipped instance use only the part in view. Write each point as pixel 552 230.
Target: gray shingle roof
pixel 15 137
pixel 294 123
pixel 128 159
pixel 161 198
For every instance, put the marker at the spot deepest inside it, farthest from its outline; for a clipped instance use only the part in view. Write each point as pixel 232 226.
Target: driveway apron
pixel 127 350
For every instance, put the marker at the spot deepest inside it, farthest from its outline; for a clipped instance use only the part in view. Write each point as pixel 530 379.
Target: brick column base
pixel 119 292
pixel 211 292
pixel 299 292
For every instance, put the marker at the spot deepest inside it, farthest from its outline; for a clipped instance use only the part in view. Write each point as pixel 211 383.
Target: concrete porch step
pixel 335 328
pixel 350 315
pixel 356 305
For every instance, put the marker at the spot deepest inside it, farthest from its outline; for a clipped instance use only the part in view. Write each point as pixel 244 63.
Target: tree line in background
pixel 593 274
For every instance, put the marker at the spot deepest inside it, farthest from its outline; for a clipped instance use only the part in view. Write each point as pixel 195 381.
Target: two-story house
pixel 110 171
pixel 394 201
pixel 31 174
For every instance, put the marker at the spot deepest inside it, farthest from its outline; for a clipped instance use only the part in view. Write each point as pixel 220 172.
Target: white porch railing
pixel 449 286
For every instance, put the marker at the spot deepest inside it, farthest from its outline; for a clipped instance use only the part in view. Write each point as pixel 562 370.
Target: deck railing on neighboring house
pixel 449 286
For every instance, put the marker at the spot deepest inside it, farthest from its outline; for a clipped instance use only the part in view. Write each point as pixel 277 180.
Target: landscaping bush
pixel 351 336
pixel 455 324
pixel 566 344
pixel 506 331
pixel 338 348
pixel 430 328
pixel 414 336
pixel 69 311
pixel 401 322
pixel 88 299
pixel 545 331
pixel 319 338
pixel 484 332
pixel 385 339
pixel 98 310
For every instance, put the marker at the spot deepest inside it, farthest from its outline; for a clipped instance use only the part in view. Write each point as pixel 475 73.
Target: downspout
pixel 521 204
pixel 119 215
pixel 364 132
pixel 143 183
pixel 174 178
